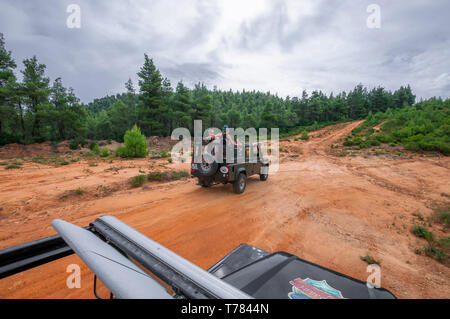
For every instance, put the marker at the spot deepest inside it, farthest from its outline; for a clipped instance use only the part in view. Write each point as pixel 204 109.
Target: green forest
pixel 35 109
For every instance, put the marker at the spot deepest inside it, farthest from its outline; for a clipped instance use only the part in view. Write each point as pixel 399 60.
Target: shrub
pixel 93 146
pixel 304 136
pixel 438 254
pixel 442 217
pixel 104 152
pixel 95 149
pixel 179 175
pixel 138 180
pixel 13 166
pixel 73 145
pixel 39 159
pixel 158 176
pixel 422 232
pixel 169 160
pixel 121 151
pixel 79 191
pixel 63 162
pixel 164 153
pixel 135 144
pixel 3 163
pixel 369 260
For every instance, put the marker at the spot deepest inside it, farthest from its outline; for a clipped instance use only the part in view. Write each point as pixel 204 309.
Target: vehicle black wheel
pixel 263 177
pixel 240 183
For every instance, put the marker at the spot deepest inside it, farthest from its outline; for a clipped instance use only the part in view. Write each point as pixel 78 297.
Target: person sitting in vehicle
pixel 213 136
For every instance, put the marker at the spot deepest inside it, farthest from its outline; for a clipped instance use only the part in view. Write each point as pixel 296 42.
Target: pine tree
pixel 36 91
pixel 182 107
pixel 150 84
pixel 358 103
pixel 202 106
pixel 8 91
pixel 121 119
pixel 131 100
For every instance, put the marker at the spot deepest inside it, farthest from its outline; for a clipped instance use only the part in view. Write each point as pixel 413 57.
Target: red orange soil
pixel 322 207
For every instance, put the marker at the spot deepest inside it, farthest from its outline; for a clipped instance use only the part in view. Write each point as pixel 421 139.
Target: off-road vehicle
pixel 211 171
pixel 131 265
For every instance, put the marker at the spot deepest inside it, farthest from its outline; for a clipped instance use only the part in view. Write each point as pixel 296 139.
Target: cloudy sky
pixel 282 46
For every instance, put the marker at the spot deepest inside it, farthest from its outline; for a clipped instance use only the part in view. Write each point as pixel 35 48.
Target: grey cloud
pixel 192 73
pixel 271 27
pixel 331 48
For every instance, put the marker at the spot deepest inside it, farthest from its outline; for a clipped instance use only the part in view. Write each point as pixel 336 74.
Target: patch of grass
pixel 164 153
pixel 158 176
pixel 93 146
pixel 63 162
pixel 71 193
pixel 179 175
pixel 3 163
pixel 13 166
pixel 422 232
pixel 40 160
pixel 369 260
pixel 74 144
pixel 442 217
pixel 436 253
pixel 104 152
pixel 138 180
pixel 304 136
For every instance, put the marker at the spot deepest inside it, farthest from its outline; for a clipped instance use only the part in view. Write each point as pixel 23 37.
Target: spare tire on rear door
pixel 209 166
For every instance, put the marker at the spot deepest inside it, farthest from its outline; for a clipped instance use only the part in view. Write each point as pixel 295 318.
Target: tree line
pixel 34 109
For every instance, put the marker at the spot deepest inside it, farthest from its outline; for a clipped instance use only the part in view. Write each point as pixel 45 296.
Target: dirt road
pixel 320 206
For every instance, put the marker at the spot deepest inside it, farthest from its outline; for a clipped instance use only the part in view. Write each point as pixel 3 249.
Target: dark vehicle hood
pixel 282 275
